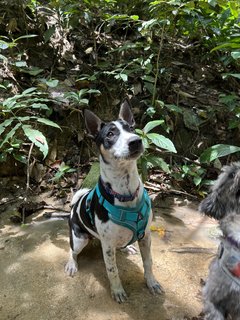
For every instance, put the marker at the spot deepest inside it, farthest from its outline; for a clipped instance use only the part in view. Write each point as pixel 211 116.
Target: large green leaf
pixel 48 122
pixel 37 138
pixel 217 151
pixel 151 125
pixel 162 142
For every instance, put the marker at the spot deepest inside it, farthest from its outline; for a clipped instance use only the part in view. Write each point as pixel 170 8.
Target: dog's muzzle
pixel 135 146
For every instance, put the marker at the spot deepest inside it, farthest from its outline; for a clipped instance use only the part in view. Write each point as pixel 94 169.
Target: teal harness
pixel 135 219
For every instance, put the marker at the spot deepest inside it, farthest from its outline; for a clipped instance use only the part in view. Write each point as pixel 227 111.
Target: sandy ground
pixel 35 287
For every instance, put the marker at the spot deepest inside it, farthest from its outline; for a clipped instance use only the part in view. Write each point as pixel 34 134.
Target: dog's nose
pixel 135 144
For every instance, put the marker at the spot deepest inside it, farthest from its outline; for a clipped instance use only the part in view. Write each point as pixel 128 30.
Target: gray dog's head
pixel 225 193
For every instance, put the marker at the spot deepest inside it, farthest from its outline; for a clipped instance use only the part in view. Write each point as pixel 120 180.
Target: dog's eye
pixel 110 134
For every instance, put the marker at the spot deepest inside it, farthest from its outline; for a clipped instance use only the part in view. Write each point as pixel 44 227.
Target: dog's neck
pixel 121 175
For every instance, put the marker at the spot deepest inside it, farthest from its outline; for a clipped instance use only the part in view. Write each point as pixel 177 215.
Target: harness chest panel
pixel 229 260
pixel 135 219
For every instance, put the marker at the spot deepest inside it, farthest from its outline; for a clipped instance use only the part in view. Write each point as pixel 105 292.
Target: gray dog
pixel 221 292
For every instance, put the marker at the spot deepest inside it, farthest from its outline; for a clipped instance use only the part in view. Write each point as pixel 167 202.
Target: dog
pixel 221 293
pixel 118 210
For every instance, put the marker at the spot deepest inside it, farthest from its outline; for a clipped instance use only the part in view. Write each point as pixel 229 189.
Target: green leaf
pixel 173 108
pixel 3 87
pixel 42 106
pixel 122 76
pixel 20 158
pixel 191 120
pixel 48 122
pixel 225 45
pixel 197 180
pixel 48 33
pixel 151 125
pixel 158 162
pixel 33 71
pixel 52 83
pixel 26 36
pixel 10 134
pixel 20 64
pixel 3 57
pixel 83 101
pixel 145 142
pixel 5 124
pixel 235 55
pixel 235 75
pixel 217 151
pixel 29 90
pixel 37 138
pixel 162 142
pixel 94 91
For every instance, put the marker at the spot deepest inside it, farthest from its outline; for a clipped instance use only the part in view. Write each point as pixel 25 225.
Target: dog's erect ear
pixel 212 207
pixel 126 112
pixel 93 123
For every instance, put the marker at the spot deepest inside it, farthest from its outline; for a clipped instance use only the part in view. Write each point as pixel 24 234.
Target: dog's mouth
pixel 135 154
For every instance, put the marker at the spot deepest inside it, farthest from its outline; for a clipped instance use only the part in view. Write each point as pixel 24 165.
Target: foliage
pixel 62 170
pixel 152 142
pixel 121 44
pixel 22 114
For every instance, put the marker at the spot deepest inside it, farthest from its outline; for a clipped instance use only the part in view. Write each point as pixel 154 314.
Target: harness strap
pixel 135 219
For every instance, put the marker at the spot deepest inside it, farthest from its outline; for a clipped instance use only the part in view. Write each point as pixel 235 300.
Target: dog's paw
pixel 131 249
pixel 154 286
pixel 71 268
pixel 119 295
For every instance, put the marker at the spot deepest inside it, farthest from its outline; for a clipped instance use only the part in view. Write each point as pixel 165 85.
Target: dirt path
pixel 34 286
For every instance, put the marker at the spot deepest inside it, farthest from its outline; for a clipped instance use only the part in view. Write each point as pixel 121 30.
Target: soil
pixel 34 285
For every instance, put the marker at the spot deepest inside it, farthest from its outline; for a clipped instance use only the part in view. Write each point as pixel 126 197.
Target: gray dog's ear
pixel 126 112
pixel 212 207
pixel 93 123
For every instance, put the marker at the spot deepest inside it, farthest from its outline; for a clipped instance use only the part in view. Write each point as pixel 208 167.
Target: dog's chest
pixel 113 234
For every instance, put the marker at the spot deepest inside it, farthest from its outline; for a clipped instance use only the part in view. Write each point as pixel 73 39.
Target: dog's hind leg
pixel 145 249
pixel 109 255
pixel 77 245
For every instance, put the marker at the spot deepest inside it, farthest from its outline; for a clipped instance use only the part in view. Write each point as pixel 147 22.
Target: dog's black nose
pixel 135 144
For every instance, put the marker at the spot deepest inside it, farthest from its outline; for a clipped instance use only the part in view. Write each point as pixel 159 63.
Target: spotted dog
pixel 118 210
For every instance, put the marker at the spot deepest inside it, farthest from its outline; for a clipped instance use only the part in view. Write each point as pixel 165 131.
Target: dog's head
pixel 225 193
pixel 116 140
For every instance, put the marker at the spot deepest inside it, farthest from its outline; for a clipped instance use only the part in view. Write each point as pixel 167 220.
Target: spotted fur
pixel 119 149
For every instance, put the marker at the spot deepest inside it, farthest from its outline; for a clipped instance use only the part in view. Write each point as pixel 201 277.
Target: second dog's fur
pixel 221 293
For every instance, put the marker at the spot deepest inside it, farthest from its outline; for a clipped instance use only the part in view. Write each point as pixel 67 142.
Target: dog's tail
pixel 78 195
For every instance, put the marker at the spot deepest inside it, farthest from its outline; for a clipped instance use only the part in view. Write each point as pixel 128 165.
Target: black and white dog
pixel 118 210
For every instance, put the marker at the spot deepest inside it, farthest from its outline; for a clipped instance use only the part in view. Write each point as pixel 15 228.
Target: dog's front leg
pixel 211 312
pixel 109 255
pixel 145 249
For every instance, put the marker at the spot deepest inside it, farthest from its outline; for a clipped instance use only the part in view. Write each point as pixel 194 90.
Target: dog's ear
pixel 212 206
pixel 126 112
pixel 93 123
